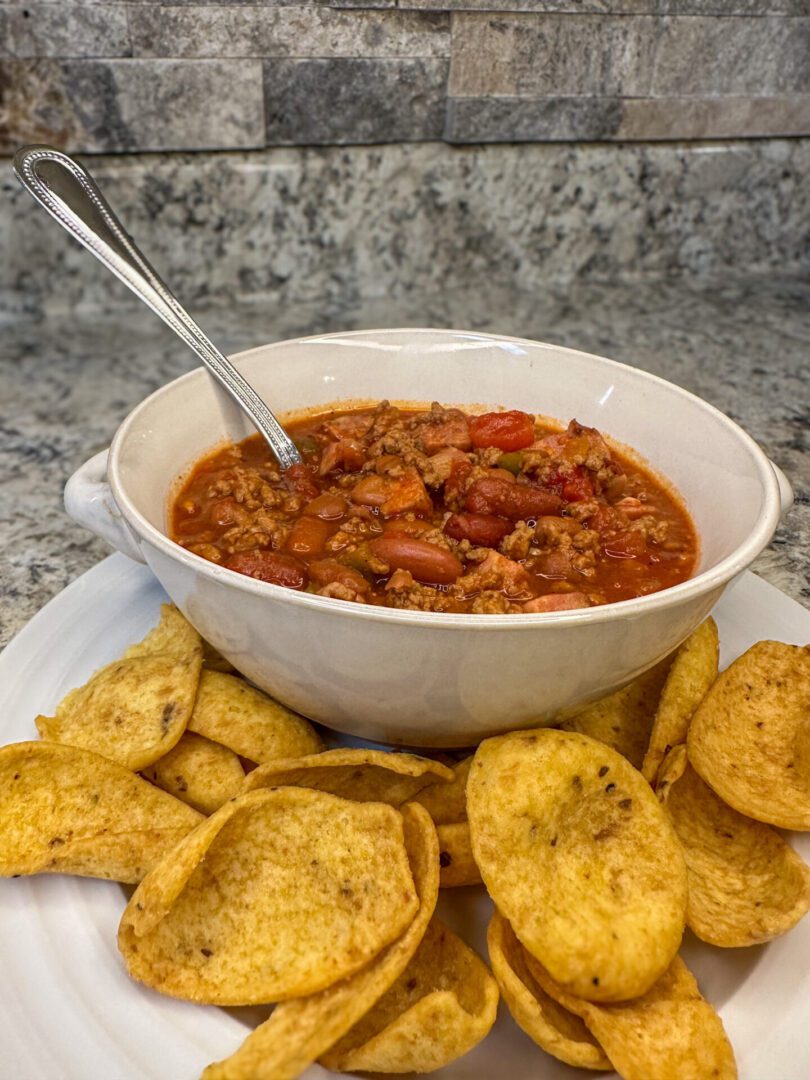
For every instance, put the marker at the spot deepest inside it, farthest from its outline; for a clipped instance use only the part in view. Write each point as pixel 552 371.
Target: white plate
pixel 69 1012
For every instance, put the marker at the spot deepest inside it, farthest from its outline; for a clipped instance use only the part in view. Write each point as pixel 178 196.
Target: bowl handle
pixel 785 489
pixel 90 502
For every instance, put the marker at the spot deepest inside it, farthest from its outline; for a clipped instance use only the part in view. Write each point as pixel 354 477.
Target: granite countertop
pixel 66 382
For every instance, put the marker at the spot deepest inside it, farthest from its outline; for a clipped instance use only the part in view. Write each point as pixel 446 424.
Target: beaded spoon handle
pixel 70 195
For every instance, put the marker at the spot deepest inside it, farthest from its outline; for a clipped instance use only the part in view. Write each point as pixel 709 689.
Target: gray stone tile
pixel 473 120
pixel 714 118
pixel 513 119
pixel 354 100
pixel 292 31
pixel 551 55
pixel 743 56
pixel 124 105
pixel 64 30
pixel 615 7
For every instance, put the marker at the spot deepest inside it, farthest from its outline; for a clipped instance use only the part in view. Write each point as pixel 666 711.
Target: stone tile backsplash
pixel 142 75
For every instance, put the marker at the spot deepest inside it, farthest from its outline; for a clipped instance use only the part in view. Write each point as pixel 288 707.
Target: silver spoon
pixel 71 196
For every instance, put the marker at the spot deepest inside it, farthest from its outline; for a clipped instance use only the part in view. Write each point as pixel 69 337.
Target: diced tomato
pixel 270 566
pixel 308 536
pixel 427 562
pixel 495 495
pixel 507 430
pixel 485 530
pixel 300 480
pixel 579 487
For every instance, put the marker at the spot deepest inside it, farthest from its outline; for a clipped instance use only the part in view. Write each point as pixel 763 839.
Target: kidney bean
pixel 427 562
pixel 484 530
pixel 270 566
pixel 494 495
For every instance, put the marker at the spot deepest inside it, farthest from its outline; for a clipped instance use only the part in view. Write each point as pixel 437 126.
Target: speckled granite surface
pixel 337 224
pixel 67 381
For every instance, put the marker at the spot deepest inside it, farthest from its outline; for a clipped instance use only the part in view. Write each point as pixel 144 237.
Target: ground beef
pixel 516 545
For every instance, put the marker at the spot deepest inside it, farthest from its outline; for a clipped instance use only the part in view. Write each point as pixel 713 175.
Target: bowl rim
pixel 715 577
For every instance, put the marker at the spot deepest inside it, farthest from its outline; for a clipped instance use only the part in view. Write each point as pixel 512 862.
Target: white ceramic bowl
pixel 416 678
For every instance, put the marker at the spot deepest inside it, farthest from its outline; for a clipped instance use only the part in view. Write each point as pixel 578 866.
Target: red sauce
pixel 437 510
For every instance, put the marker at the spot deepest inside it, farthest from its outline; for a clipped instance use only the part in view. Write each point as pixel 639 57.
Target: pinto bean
pixel 427 562
pixel 308 536
pixel 370 491
pixel 326 506
pixel 506 498
pixel 403 527
pixel 327 571
pixel 270 566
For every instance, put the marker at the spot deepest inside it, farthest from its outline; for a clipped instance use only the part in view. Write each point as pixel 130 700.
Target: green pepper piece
pixel 306 445
pixel 512 461
pixel 359 559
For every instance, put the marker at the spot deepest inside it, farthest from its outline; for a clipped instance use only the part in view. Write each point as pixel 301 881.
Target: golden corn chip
pixel 624 720
pixel 447 803
pixel 174 635
pixel 579 856
pixel 202 773
pixel 750 736
pixel 213 660
pixel 746 884
pixel 693 671
pixel 134 710
pixel 278 894
pixel 556 1030
pixel 300 1030
pixel 361 775
pixel 670 1032
pixel 442 1005
pixel 456 862
pixel 230 711
pixel 64 810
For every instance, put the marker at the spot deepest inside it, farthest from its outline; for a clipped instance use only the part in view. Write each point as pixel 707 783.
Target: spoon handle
pixel 70 195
